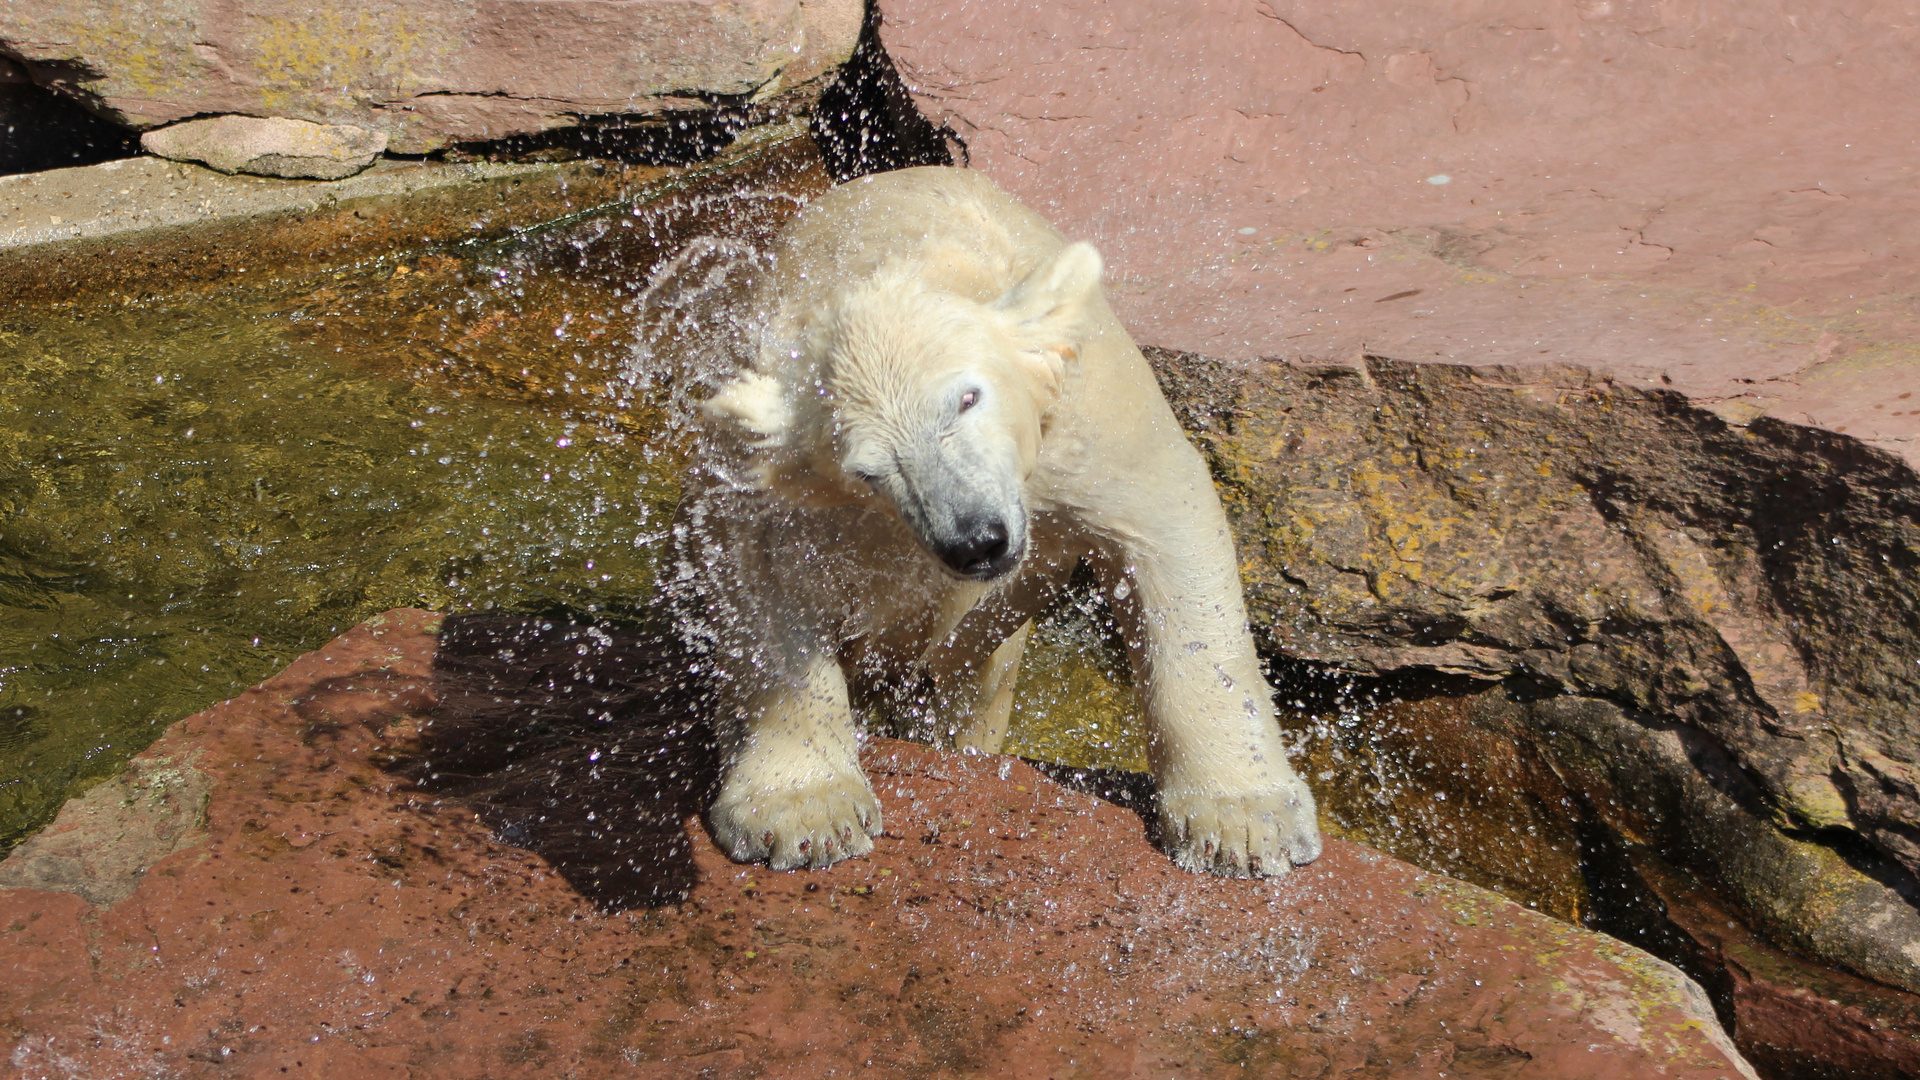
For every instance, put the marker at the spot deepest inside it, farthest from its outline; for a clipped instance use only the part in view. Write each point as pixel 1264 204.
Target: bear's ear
pixel 1049 307
pixel 756 406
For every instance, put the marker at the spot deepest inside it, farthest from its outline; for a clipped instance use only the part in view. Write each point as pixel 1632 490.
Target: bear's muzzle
pixel 981 549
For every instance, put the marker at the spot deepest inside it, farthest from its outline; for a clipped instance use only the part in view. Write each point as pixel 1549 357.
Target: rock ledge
pixel 333 917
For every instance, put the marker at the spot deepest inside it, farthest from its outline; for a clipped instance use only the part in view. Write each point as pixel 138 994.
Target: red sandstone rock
pixel 1718 197
pixel 328 918
pixel 426 72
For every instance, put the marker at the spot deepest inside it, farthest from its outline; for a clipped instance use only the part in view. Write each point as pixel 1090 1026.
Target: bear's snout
pixel 982 549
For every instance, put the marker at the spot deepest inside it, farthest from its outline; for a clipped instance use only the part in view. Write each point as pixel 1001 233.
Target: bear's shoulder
pixel 953 228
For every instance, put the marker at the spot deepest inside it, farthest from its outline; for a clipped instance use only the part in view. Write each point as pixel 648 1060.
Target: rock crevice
pixel 1669 635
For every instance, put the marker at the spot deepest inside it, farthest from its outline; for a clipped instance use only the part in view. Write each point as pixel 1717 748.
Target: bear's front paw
pixel 1241 834
pixel 817 825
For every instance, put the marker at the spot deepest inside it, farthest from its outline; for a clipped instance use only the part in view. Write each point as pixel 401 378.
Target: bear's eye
pixel 969 399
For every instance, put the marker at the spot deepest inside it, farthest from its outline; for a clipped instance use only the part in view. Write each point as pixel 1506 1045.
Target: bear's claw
pixel 815 826
pixel 1260 834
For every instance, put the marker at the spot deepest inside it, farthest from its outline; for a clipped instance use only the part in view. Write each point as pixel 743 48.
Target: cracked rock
pixel 1554 529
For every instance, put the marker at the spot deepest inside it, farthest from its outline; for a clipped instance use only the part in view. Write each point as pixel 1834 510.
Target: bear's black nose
pixel 980 550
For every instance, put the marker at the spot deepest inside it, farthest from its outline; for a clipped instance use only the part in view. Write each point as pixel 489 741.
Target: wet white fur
pixel 806 573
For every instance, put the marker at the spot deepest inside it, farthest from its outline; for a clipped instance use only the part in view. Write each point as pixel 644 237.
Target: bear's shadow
pixel 591 745
pixel 587 743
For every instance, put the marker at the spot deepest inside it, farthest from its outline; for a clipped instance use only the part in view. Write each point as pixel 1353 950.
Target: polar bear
pixel 938 419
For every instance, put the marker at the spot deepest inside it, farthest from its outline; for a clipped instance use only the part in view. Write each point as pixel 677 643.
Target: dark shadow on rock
pixel 586 743
pixel 866 122
pixel 1127 790
pixel 632 140
pixel 675 139
pixel 863 118
pixel 42 129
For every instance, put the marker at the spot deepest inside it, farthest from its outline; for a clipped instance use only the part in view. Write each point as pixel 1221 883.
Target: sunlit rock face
pixel 295 149
pixel 345 888
pixel 425 72
pixel 1715 200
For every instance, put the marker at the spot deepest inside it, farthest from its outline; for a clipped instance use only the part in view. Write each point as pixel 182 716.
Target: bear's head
pixel 933 402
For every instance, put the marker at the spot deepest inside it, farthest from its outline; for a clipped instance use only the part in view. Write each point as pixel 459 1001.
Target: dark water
pixel 191 496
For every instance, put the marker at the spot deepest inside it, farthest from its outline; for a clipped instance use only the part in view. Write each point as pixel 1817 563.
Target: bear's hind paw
pixel 814 826
pixel 1253 835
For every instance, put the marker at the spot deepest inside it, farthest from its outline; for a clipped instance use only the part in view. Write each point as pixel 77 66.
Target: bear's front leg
pixel 1229 802
pixel 792 793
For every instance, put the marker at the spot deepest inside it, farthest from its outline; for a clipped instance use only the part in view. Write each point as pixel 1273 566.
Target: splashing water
pixel 195 490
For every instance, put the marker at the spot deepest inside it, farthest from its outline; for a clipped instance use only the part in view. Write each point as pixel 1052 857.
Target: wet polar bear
pixel 939 419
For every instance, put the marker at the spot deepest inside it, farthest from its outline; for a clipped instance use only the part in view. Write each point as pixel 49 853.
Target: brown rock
pixel 1637 772
pixel 1574 536
pixel 341 920
pixel 1717 201
pixel 295 149
pixel 1792 1018
pixel 1581 808
pixel 426 72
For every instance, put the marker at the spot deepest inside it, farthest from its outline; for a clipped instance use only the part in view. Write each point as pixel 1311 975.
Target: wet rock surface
pixel 273 146
pixel 106 838
pixel 428 73
pixel 1793 1018
pixel 1578 807
pixel 335 917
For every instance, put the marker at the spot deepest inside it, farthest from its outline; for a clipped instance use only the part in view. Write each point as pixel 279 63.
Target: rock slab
pixel 1717 199
pixel 328 916
pixel 269 146
pixel 426 72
